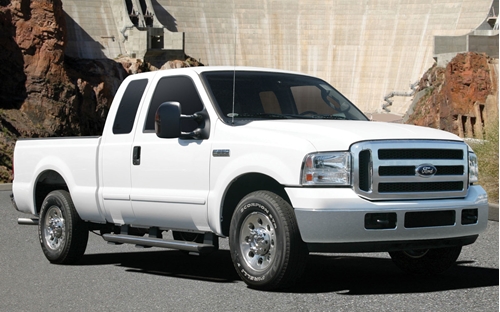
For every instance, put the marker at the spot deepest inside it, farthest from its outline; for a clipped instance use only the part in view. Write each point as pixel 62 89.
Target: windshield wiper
pixel 259 115
pixel 328 117
pixel 283 116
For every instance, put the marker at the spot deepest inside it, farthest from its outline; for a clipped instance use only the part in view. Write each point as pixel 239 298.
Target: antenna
pixel 234 60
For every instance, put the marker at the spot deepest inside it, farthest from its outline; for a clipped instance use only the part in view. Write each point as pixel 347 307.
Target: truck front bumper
pixel 336 219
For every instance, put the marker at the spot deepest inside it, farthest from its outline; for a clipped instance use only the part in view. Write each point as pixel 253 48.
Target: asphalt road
pixel 124 278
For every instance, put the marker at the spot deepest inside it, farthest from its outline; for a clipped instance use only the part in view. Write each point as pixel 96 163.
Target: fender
pixel 277 156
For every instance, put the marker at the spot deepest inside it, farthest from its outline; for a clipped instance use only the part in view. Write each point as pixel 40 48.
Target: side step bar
pixel 193 247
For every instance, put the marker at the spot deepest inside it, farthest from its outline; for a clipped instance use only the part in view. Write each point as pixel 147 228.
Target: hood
pixel 330 135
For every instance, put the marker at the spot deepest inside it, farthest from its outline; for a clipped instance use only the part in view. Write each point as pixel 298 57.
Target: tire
pixel 265 244
pixel 426 261
pixel 63 235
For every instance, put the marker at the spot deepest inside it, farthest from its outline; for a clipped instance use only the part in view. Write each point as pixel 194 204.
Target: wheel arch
pixel 242 186
pixel 47 181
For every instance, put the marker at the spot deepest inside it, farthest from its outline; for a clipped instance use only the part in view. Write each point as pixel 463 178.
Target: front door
pixel 170 177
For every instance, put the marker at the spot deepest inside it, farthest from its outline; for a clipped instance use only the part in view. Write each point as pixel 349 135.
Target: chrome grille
pixel 390 169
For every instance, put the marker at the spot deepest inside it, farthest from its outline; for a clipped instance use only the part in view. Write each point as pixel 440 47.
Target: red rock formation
pixel 62 97
pixel 455 97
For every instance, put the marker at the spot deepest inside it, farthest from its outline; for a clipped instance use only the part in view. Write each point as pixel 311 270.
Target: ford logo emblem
pixel 426 170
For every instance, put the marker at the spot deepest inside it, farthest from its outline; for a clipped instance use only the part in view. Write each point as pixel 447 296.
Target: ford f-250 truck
pixel 280 163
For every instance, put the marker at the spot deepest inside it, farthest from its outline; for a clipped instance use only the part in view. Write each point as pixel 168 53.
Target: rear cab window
pixel 127 110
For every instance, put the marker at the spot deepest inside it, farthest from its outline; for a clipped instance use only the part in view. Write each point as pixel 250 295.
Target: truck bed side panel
pixel 74 159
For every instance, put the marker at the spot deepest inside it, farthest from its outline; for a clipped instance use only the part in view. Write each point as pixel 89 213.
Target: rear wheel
pixel 426 261
pixel 63 235
pixel 265 243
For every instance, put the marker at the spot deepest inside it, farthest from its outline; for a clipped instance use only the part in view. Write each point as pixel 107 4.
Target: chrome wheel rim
pixel 54 230
pixel 258 241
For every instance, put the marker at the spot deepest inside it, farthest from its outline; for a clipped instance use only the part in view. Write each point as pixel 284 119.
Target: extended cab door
pixel 116 151
pixel 170 177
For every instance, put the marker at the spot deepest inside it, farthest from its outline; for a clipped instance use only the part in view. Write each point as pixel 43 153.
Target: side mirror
pixel 168 123
pixel 168 120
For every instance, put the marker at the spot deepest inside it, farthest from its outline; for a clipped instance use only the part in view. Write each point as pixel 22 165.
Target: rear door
pixel 170 177
pixel 116 151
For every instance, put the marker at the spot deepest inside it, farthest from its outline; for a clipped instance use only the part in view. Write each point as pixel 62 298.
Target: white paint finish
pixel 75 159
pixel 172 181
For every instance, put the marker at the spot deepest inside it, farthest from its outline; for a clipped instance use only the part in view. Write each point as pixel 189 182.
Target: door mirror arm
pixel 168 123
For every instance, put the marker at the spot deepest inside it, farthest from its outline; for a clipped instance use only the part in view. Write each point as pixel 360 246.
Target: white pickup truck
pixel 279 162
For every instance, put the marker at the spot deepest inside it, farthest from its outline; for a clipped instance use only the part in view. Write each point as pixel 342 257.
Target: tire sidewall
pixel 62 200
pixel 250 204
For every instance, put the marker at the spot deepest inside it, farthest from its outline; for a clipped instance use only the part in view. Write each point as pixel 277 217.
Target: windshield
pixel 264 95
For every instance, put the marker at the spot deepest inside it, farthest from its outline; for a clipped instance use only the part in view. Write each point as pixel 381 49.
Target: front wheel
pixel 63 235
pixel 426 261
pixel 265 243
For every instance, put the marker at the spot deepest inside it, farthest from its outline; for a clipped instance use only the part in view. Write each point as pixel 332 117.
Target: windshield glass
pixel 264 95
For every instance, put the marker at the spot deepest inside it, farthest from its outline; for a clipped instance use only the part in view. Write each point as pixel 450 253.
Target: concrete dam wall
pixel 366 49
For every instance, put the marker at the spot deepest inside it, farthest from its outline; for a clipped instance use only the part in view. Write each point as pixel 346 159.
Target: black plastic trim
pixel 159 242
pixel 392 245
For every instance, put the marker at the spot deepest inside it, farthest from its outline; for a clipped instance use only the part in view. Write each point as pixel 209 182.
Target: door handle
pixel 136 156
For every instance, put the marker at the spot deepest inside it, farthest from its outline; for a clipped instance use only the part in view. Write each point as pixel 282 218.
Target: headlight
pixel 327 169
pixel 473 168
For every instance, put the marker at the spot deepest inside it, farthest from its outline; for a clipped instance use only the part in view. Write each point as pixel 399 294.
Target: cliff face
pixel 54 95
pixel 460 98
pixel 12 88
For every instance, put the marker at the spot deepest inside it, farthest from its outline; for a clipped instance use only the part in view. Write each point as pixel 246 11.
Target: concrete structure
pixel 484 39
pixel 92 32
pixel 108 29
pixel 366 49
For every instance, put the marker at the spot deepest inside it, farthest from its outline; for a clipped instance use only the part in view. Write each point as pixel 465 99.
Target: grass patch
pixel 487 154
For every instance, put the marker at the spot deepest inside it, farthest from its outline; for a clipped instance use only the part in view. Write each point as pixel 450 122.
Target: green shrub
pixel 487 154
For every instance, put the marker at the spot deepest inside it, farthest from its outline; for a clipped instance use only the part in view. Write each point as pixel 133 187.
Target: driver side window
pixel 175 89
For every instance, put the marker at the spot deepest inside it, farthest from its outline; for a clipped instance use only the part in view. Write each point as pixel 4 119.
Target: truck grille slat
pixel 410 169
pixel 420 187
pixel 364 170
pixel 420 153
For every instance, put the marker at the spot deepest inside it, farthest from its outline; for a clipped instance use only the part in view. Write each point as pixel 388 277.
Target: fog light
pixel 469 216
pixel 378 221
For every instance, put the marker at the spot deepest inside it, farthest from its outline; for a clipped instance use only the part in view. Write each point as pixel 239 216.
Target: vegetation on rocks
pixel 487 153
